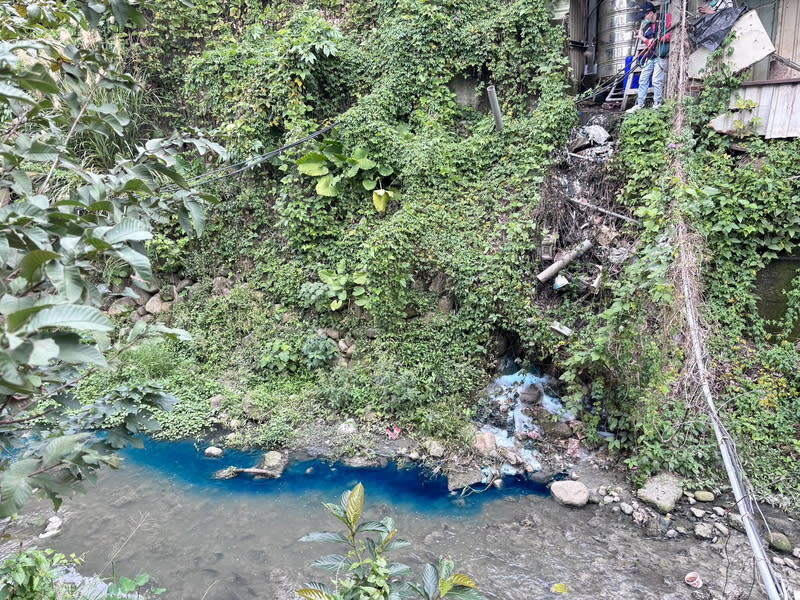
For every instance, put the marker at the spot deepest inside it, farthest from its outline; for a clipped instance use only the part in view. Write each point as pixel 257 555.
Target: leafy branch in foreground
pixel 60 219
pixel 364 573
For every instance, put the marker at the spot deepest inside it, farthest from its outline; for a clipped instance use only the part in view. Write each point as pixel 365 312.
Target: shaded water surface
pixel 237 539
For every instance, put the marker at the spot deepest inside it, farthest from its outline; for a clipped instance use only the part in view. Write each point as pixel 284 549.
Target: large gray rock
pixel 570 493
pixel 156 305
pixel 485 443
pixel 662 491
pixel 273 462
pixel 462 479
pixel 121 306
pixel 435 449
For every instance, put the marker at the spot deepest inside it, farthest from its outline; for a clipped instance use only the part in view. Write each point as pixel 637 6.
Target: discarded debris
pixel 551 271
pixel 559 328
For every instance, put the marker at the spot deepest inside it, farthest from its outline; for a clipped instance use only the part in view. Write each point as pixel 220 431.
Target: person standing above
pixel 712 6
pixel 654 35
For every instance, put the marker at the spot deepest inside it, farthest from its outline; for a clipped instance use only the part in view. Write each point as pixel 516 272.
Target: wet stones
pixel 273 463
pixel 213 452
pixel 662 491
pixel 704 496
pixel 570 493
pixel 779 541
pixel 457 480
pixel 703 531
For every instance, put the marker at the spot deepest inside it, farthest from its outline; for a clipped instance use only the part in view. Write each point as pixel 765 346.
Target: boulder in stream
pixel 662 491
pixel 213 452
pixel 462 479
pixel 570 493
pixel 273 463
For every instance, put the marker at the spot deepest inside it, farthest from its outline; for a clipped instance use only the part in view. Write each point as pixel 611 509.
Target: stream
pixel 207 539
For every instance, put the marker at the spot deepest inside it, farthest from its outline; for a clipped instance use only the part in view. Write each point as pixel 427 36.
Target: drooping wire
pixel 236 168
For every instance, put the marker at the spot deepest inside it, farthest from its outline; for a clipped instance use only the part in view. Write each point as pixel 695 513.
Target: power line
pixel 249 163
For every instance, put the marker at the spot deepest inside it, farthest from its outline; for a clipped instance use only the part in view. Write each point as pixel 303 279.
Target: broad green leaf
pixel 43 351
pixel 38 78
pixel 57 449
pixel 326 186
pixel 372 526
pixel 385 170
pixel 67 279
pixel 15 487
pixel 128 230
pixel 355 505
pixel 323 536
pixel 71 350
pixel 71 316
pixel 369 183
pixel 139 262
pixel 313 164
pixel 10 92
pixel 332 562
pixel 196 214
pixel 380 199
pixel 464 593
pixel 18 318
pixel 32 261
pixel 366 164
pixel 430 581
pixel 40 152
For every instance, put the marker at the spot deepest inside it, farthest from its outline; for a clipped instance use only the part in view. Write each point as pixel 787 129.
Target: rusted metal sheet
pixel 776 111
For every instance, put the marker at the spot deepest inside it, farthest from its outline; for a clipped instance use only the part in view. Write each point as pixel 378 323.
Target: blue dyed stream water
pixel 207 539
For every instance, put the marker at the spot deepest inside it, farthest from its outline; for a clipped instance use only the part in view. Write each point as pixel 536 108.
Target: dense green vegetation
pixel 378 271
pixel 411 229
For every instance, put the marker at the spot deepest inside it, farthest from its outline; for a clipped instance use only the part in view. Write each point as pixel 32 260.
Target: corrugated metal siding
pixel 778 110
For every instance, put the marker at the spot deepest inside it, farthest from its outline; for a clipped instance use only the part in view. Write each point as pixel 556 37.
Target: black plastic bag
pixel 710 30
